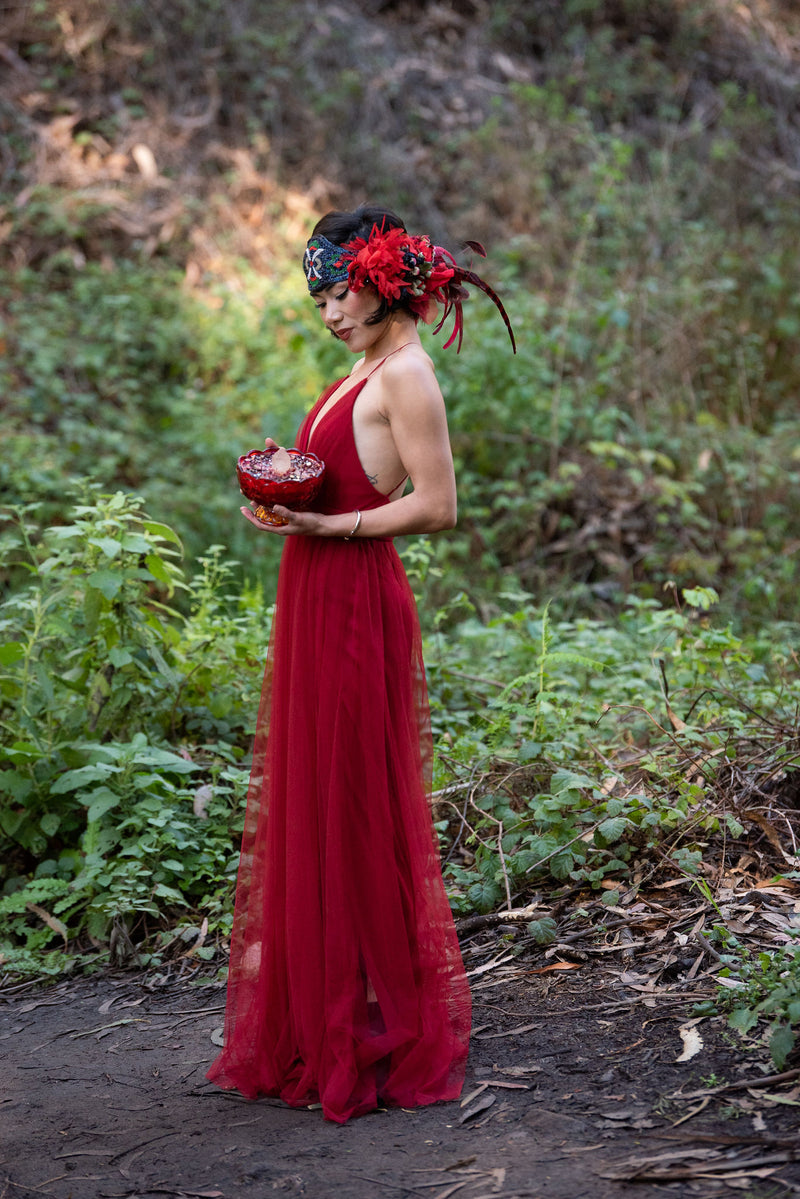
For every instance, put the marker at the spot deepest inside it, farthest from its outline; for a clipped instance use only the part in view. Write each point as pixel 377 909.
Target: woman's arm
pixel 412 403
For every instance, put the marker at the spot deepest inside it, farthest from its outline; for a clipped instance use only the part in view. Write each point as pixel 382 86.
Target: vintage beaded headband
pixel 403 269
pixel 323 265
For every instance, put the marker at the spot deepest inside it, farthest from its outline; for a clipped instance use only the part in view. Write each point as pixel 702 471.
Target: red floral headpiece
pixel 413 270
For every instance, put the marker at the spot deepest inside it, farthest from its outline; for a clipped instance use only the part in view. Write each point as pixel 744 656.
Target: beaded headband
pixel 322 264
pixel 403 269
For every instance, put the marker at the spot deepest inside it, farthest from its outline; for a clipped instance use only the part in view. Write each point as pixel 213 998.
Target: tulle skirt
pixel 346 984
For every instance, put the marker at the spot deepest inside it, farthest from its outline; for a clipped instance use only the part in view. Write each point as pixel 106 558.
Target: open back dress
pixel 346 984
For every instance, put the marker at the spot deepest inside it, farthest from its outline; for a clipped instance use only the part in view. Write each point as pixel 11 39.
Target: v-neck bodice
pixel 330 436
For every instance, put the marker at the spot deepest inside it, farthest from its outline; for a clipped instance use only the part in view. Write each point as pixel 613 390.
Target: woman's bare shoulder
pixel 409 366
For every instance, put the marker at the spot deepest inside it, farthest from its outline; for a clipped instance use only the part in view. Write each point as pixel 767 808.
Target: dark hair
pixel 342 227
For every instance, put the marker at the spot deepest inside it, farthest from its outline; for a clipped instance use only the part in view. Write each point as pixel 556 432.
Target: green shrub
pixel 570 749
pixel 761 988
pixel 123 725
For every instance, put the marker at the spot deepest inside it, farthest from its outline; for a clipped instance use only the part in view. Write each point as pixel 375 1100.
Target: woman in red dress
pixel 346 985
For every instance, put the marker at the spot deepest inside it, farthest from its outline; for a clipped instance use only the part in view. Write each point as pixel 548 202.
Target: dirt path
pixel 104 1095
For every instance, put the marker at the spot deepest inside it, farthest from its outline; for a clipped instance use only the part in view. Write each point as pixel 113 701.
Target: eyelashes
pixel 319 307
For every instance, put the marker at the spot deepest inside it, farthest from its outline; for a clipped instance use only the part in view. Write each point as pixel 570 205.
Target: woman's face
pixel 345 314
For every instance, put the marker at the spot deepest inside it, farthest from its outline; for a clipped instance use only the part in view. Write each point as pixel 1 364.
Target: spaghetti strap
pixel 389 355
pixel 318 412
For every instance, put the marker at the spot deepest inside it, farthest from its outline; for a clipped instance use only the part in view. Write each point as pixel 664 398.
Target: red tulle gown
pixel 346 984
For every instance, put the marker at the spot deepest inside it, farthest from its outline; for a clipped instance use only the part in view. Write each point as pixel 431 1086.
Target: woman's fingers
pixel 251 517
pixel 291 525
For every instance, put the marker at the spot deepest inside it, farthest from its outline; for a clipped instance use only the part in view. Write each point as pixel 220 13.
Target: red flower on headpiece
pixel 398 265
pixel 379 261
pixel 403 267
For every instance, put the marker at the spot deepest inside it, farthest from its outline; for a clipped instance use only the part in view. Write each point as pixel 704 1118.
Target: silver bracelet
pixel 354 529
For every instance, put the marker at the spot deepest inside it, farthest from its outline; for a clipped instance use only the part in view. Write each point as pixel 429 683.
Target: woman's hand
pixel 303 523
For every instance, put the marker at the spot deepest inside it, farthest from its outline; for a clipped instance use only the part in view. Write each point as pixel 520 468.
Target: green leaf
pixel 165 892
pixel 612 829
pixel 163 669
pixel 76 780
pixel 158 569
pixel 108 545
pixel 734 827
pixel 49 823
pixel 97 924
pixel 11 652
pixel 561 865
pixel 134 543
pixel 18 786
pixel 484 895
pixel 103 800
pixel 64 532
pixel 564 781
pixel 743 1019
pixel 12 822
pixel 700 597
pixel 24 749
pixel 92 607
pixel 152 756
pixel 155 529
pixel 45 681
pixel 107 582
pixel 543 931
pixel 781 1043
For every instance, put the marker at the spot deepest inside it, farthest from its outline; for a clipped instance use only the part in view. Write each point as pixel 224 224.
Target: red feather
pixel 454 304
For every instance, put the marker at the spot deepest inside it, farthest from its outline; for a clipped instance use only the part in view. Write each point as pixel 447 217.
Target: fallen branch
pixel 634 1173
pixel 492 919
pixel 765 1081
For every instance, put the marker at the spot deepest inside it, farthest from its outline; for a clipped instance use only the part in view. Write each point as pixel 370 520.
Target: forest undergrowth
pixel 571 753
pixel 611 630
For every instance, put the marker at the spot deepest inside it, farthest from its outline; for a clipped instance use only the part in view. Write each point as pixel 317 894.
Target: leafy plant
pixel 103 823
pixel 762 988
pixel 614 742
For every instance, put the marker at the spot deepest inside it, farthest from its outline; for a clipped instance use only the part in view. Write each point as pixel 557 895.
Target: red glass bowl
pixel 265 489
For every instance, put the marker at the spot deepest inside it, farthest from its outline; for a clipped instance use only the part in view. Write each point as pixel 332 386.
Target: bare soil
pixel 576 1074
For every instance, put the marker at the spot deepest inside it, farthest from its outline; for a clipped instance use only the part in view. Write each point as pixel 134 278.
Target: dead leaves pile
pixel 655 945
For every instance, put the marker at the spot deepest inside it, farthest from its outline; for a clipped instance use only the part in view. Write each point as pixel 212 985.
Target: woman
pixel 346 984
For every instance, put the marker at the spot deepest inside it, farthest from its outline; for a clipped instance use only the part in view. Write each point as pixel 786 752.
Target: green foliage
pixel 574 740
pixel 646 431
pixel 572 749
pixel 89 614
pixel 761 988
pixel 634 464
pixel 543 931
pixel 121 377
pixel 123 723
